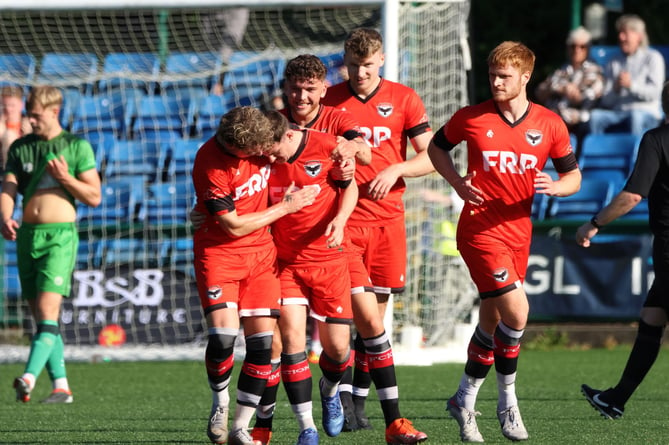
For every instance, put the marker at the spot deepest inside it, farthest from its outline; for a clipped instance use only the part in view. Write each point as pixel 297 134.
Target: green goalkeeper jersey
pixel 28 156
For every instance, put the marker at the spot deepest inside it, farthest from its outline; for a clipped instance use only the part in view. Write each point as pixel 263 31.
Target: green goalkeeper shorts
pixel 46 255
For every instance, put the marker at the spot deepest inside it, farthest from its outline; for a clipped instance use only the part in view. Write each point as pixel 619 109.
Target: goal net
pixel 147 85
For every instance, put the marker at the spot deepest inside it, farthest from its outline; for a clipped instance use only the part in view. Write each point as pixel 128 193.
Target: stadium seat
pixel 88 255
pixel 136 251
pixel 539 206
pixel 333 61
pixel 191 70
pixel 205 113
pixel 121 201
pixel 12 283
pixel 593 195
pixel 69 71
pixel 130 70
pixel 169 203
pixel 161 117
pixel 98 113
pixel 177 157
pixel 609 151
pixel 603 53
pixel 135 158
pixel 255 75
pixel 17 69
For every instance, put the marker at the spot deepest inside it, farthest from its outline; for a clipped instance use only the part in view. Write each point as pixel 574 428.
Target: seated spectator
pixel 13 124
pixel 574 88
pixel 634 79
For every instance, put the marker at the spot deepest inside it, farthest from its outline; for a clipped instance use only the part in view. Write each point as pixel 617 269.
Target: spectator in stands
pixel 13 124
pixel 634 79
pixel 390 115
pixel 235 261
pixel 226 28
pixel 648 180
pixel 509 139
pixel 51 168
pixel 574 88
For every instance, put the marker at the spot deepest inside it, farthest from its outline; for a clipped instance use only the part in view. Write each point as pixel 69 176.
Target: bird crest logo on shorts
pixel 313 168
pixel 500 274
pixel 534 137
pixel 384 109
pixel 214 292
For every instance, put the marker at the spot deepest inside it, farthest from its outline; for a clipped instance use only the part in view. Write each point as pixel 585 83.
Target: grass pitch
pixel 168 403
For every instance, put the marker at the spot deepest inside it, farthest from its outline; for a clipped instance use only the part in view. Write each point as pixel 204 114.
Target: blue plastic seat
pixel 205 113
pixel 594 194
pixel 98 113
pixel 69 71
pixel 254 75
pixel 132 158
pixel 609 151
pixel 161 117
pixel 603 53
pixel 136 251
pixel 11 283
pixel 121 201
pixel 191 70
pixel 87 255
pixel 169 203
pixel 130 70
pixel 17 69
pixel 539 206
pixel 177 157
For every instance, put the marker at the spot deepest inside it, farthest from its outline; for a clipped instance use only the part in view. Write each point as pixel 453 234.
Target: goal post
pixel 135 265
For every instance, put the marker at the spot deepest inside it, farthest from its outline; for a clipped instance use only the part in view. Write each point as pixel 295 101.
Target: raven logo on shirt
pixel 313 168
pixel 534 137
pixel 500 274
pixel 214 292
pixel 385 109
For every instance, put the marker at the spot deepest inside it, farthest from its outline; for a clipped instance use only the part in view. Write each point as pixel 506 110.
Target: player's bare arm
pixel 347 201
pixel 293 201
pixel 568 183
pixel 463 186
pixel 620 205
pixel 7 202
pixel 418 165
pixel 85 188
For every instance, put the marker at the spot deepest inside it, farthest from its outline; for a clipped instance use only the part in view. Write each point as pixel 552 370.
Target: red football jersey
pixel 505 156
pixel 330 120
pixel 300 236
pixel 388 118
pixel 225 183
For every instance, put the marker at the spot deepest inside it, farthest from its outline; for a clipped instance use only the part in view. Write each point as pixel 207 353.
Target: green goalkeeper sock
pixel 55 365
pixel 41 346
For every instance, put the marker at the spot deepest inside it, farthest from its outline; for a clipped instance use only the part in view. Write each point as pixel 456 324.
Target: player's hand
pixel 585 233
pixel 8 229
pixel 345 149
pixel 57 168
pixel 544 184
pixel 380 186
pixel 466 190
pixel 335 233
pixel 344 170
pixel 197 219
pixel 296 198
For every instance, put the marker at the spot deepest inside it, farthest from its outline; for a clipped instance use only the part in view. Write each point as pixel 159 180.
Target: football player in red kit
pixel 509 140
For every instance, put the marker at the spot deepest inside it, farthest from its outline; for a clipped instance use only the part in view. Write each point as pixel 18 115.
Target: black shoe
pixel 350 421
pixel 606 409
pixel 363 421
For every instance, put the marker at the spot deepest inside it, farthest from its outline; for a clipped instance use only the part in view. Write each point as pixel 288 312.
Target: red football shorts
pixel 249 282
pixel 384 252
pixel 325 287
pixel 494 267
